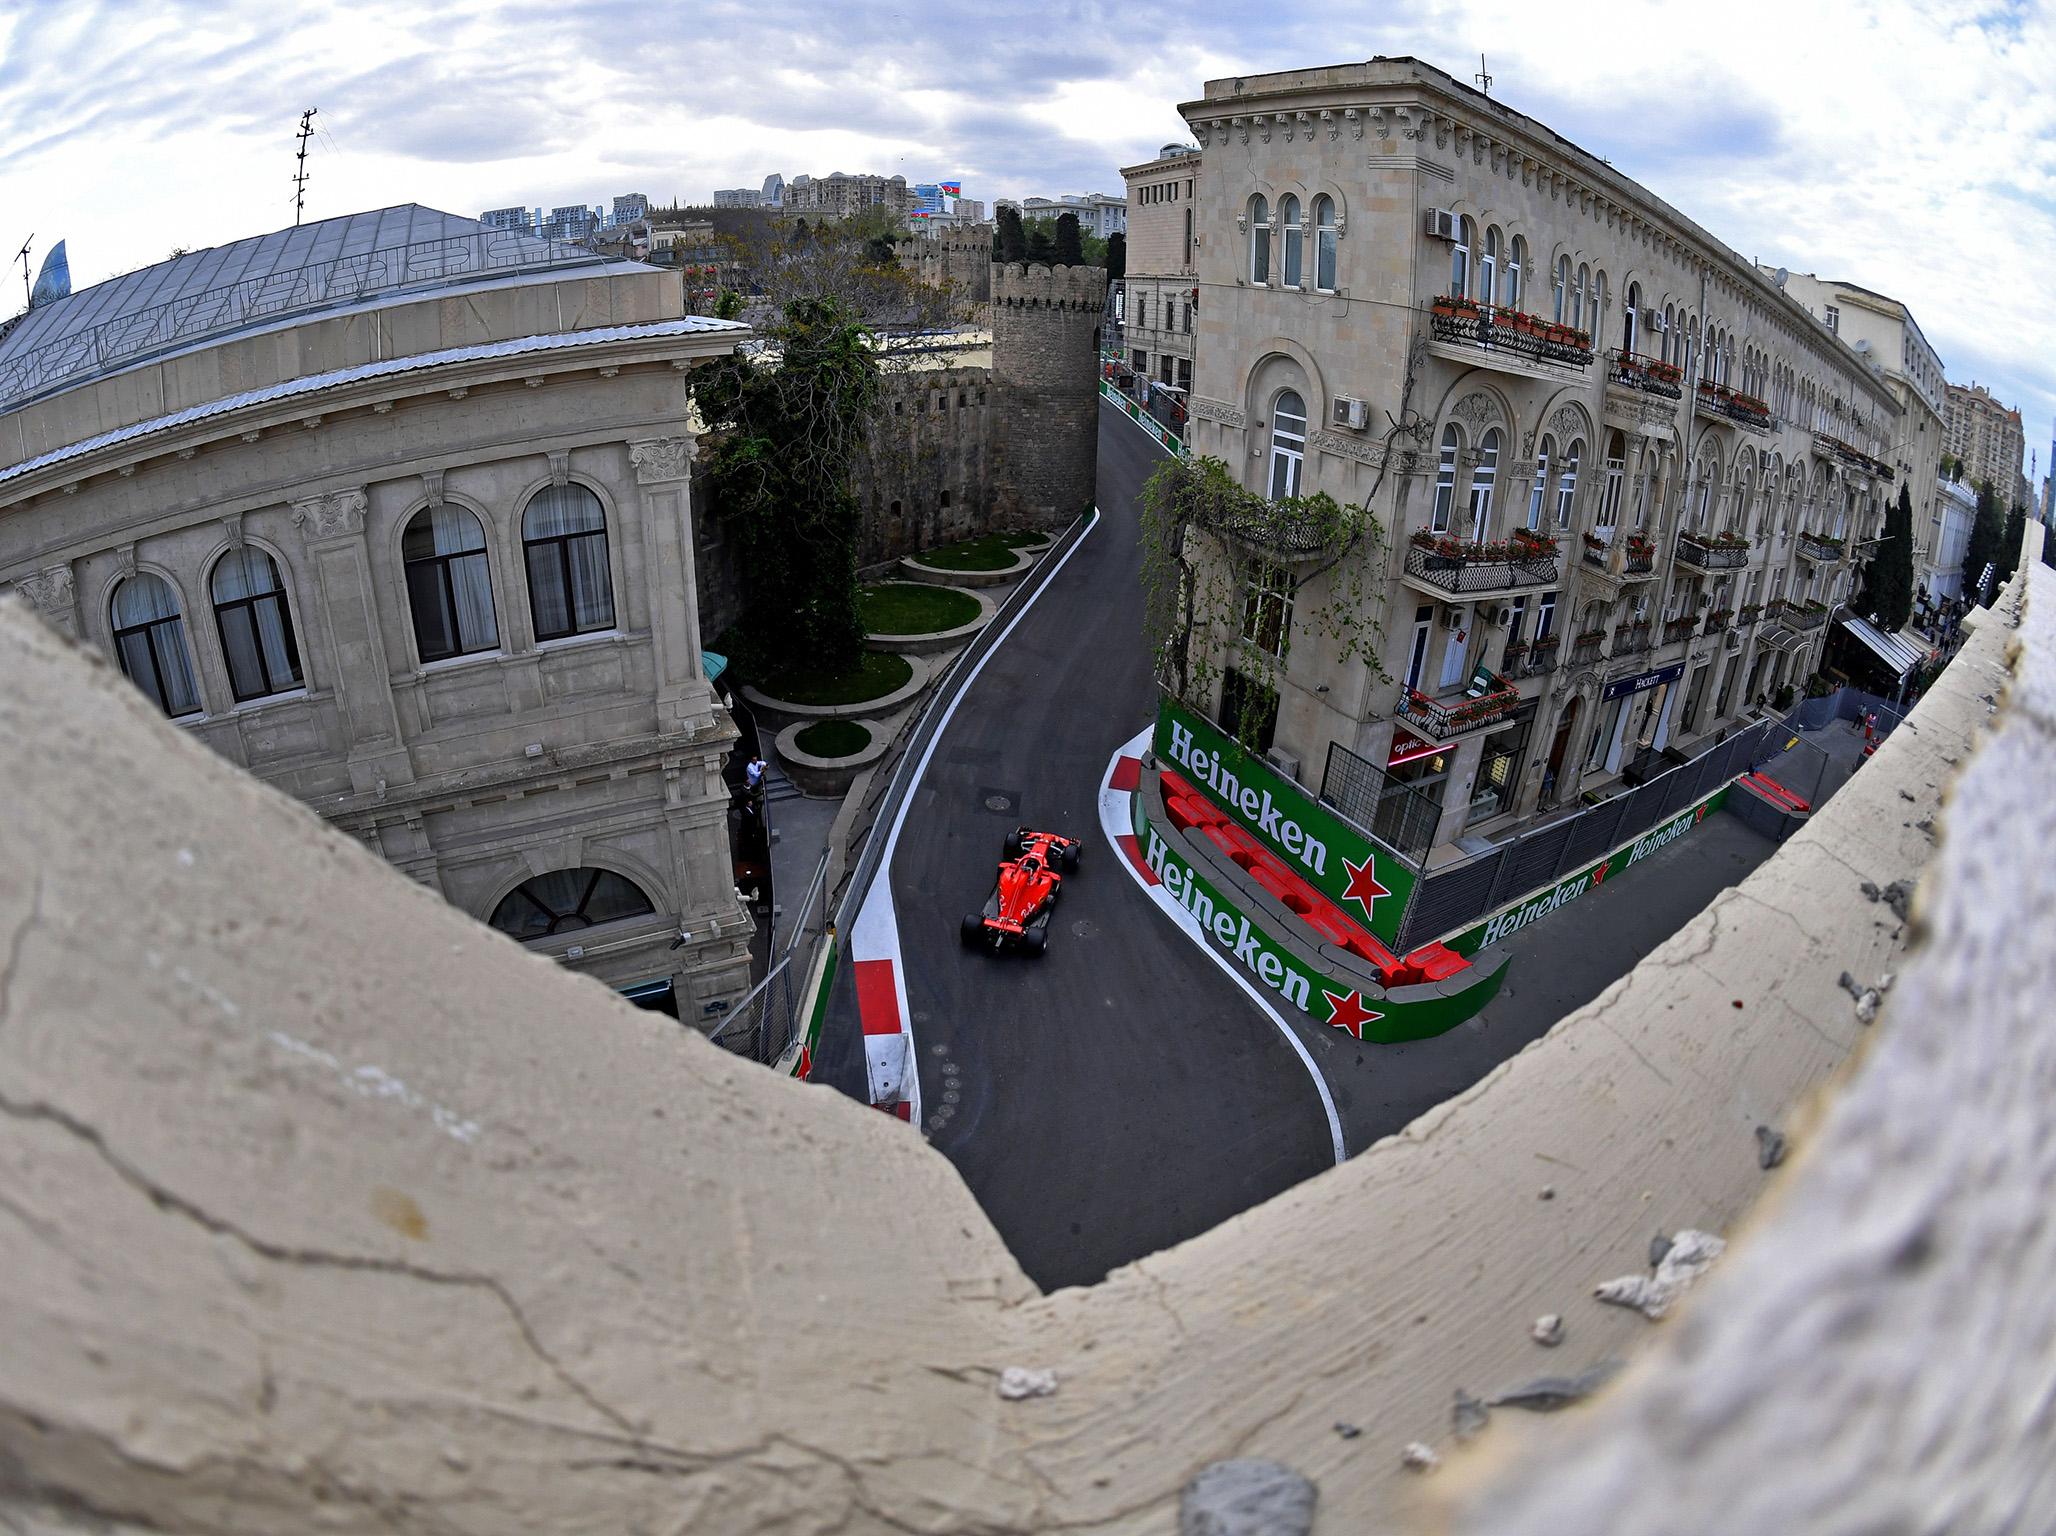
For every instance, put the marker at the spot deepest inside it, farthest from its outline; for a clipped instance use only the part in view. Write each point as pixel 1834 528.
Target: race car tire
pixel 1013 847
pixel 972 932
pixel 1035 941
pixel 1068 860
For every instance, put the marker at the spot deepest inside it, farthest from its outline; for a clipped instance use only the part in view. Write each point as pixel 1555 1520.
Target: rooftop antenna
pixel 300 176
pixel 1484 80
pixel 22 256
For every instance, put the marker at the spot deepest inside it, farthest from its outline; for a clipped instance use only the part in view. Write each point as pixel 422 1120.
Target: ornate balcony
pixel 1471 710
pixel 1451 567
pixel 1532 658
pixel 1750 613
pixel 1797 615
pixel 1820 548
pixel 1638 556
pixel 1718 620
pixel 1722 552
pixel 1678 630
pixel 1508 339
pixel 1631 370
pixel 1828 446
pixel 1586 647
pixel 1732 405
pixel 1631 639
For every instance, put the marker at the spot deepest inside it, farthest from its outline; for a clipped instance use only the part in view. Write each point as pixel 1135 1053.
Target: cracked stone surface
pixel 325 1207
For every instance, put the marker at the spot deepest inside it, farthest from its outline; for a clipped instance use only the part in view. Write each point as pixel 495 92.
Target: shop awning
pixel 1782 639
pixel 713 663
pixel 1899 654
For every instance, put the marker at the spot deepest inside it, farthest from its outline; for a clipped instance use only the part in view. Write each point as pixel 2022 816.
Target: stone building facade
pixel 1883 331
pixel 838 195
pixel 424 560
pixel 926 475
pixel 1990 440
pixel 1158 306
pixel 1427 304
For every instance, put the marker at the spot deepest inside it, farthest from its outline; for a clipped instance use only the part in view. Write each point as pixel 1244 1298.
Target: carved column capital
pixel 333 516
pixel 657 459
pixel 50 590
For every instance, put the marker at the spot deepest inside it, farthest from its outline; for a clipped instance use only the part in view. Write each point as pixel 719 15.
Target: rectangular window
pixel 1267 608
pixel 1545 617
pixel 1417 653
pixel 1520 617
pixel 1445 489
pixel 1834 319
pixel 1610 498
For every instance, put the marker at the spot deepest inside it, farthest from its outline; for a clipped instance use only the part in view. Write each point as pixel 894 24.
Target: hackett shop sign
pixel 1369 883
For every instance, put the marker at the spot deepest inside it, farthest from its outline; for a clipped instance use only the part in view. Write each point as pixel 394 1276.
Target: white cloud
pixel 1909 148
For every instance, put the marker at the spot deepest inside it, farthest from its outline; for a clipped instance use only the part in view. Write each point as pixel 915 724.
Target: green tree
pixel 1042 245
pixel 1070 252
pixel 727 305
pixel 1117 255
pixel 1009 242
pixel 781 474
pixel 1987 532
pixel 1888 579
pixel 2009 546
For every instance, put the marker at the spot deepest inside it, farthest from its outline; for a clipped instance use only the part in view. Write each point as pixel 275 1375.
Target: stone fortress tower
pixel 1045 366
pixel 961 261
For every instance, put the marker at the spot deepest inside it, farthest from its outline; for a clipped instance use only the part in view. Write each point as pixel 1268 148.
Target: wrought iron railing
pixel 1496 329
pixel 1680 629
pixel 1797 615
pixel 1639 559
pixel 1716 554
pixel 1443 718
pixel 1634 371
pixel 1532 658
pixel 1630 639
pixel 1459 565
pixel 1820 548
pixel 1743 410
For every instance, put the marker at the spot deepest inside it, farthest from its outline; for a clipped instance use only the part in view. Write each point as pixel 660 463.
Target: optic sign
pixel 1367 881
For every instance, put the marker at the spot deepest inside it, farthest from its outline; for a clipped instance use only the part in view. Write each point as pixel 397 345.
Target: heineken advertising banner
pixel 1365 880
pixel 1346 1005
pixel 1538 904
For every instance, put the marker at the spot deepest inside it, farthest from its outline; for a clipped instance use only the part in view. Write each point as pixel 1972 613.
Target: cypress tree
pixel 1013 242
pixel 1986 534
pixel 1888 583
pixel 1070 250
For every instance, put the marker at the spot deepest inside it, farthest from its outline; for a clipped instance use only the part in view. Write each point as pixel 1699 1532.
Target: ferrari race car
pixel 1031 877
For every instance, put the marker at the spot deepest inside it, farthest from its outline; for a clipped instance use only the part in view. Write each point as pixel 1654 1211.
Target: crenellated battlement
pixel 1030 285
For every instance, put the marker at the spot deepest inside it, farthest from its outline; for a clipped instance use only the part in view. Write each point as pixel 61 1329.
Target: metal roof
pixel 1894 650
pixel 203 295
pixel 315 383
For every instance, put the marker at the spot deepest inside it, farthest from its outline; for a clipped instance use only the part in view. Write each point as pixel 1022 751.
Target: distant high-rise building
pixel 508 218
pixel 774 191
pixel 840 195
pixel 1988 438
pixel 738 197
pixel 629 207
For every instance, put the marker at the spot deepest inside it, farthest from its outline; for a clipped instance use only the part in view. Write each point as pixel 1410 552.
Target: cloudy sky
pixel 1911 148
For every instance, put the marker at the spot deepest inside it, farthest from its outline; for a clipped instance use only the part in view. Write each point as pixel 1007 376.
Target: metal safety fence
pixel 764 1024
pixel 1451 898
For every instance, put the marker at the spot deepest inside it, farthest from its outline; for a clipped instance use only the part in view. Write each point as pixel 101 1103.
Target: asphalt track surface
pixel 1121 1093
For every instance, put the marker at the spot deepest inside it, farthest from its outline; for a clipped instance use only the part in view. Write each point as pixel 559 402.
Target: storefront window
pixel 1602 734
pixel 1499 768
pixel 1410 805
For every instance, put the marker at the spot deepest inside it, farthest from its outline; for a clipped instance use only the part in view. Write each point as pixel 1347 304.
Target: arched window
pixel 1288 444
pixel 1259 240
pixel 1481 485
pixel 256 626
pixel 1562 289
pixel 449 584
pixel 150 642
pixel 1540 489
pixel 1488 266
pixel 1616 469
pixel 1578 291
pixel 566 900
pixel 1324 244
pixel 1567 482
pixel 564 540
pixel 1460 260
pixel 1670 325
pixel 1288 216
pixel 1516 262
pixel 1629 320
pixel 1445 481
pixel 1188 239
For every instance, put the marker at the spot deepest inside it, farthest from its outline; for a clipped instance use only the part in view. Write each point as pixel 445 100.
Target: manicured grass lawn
pixel 993 552
pixel 876 674
pixel 912 608
pixel 833 738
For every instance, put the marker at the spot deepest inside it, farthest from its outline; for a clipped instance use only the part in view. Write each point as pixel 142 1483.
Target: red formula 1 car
pixel 1031 877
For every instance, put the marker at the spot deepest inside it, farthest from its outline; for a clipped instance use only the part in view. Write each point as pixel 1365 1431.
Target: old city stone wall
pixel 925 478
pixel 961 263
pixel 1045 348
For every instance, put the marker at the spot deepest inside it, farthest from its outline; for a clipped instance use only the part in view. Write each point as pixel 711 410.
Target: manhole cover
pixel 998 803
pixel 1003 801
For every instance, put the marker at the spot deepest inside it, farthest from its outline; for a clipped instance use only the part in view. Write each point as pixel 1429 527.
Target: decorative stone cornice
pixel 1218 411
pixel 334 516
pixel 1347 445
pixel 658 459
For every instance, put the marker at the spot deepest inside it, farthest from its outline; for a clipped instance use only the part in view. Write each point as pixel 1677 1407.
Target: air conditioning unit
pixel 1285 762
pixel 1441 224
pixel 1352 414
pixel 1652 319
pixel 1452 618
pixel 1501 617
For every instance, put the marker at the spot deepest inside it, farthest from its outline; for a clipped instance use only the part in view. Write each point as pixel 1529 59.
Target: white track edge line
pixel 881 882
pixel 1115 826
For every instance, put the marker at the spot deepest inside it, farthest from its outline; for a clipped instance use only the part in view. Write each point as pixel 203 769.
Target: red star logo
pixel 1599 874
pixel 1700 814
pixel 1363 884
pixel 1346 1011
